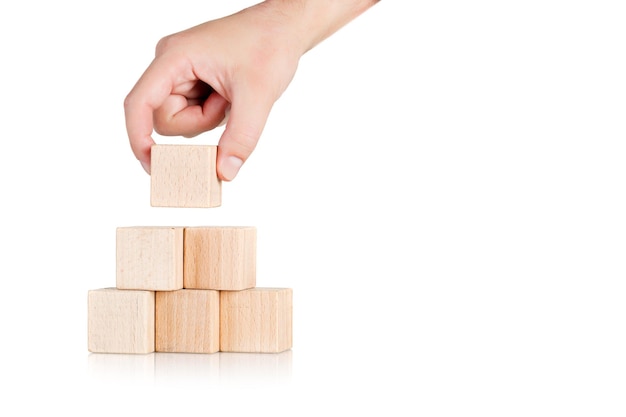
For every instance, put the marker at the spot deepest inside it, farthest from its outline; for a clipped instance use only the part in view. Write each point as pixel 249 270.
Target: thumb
pixel 246 121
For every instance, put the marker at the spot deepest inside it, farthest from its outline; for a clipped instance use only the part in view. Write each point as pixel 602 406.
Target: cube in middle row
pixel 172 258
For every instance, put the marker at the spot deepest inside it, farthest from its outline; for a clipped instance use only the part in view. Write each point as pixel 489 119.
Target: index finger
pixel 148 94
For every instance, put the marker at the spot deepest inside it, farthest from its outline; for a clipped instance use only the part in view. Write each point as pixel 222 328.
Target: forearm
pixel 315 20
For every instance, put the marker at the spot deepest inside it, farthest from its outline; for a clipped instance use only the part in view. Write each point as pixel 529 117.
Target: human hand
pixel 238 66
pixel 235 67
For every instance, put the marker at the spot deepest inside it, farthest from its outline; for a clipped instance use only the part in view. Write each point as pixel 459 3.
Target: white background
pixel 442 185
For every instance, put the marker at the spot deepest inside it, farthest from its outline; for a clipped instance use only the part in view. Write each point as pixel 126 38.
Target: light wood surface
pixel 149 258
pixel 187 321
pixel 120 321
pixel 256 320
pixel 220 258
pixel 184 176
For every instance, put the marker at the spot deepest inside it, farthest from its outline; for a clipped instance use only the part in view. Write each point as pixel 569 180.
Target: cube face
pixel 258 320
pixel 187 321
pixel 121 321
pixel 184 176
pixel 149 258
pixel 220 258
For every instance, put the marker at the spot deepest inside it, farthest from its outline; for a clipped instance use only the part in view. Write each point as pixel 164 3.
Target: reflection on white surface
pixel 196 368
pixel 187 367
pixel 255 367
pixel 116 367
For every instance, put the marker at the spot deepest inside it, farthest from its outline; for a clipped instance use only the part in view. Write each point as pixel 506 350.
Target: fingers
pixel 246 120
pixel 179 115
pixel 170 99
pixel 147 95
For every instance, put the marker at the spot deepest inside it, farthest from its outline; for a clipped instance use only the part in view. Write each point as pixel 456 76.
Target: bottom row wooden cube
pixel 256 320
pixel 121 321
pixel 190 321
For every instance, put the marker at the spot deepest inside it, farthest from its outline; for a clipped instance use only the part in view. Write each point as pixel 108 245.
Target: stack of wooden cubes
pixel 187 289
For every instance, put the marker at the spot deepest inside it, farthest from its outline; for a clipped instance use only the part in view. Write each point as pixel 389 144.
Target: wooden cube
pixel 120 321
pixel 150 258
pixel 220 258
pixel 256 320
pixel 184 176
pixel 187 321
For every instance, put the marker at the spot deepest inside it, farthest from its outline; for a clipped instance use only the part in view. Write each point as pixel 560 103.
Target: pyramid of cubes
pixel 187 289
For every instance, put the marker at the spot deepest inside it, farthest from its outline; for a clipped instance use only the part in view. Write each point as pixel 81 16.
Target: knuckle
pixel 161 45
pixel 166 43
pixel 245 140
pixel 128 101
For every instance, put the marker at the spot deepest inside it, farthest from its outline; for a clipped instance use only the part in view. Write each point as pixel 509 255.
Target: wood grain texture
pixel 220 258
pixel 149 258
pixel 256 320
pixel 120 321
pixel 184 176
pixel 187 321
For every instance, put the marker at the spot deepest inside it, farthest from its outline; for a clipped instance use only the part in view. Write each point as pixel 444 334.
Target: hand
pixel 239 64
pixel 235 67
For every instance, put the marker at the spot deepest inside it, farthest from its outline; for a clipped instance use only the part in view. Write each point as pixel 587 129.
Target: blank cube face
pixel 220 258
pixel 184 176
pixel 150 258
pixel 187 321
pixel 120 321
pixel 256 320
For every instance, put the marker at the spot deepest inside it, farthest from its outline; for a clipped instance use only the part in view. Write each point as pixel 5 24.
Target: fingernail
pixel 145 166
pixel 230 167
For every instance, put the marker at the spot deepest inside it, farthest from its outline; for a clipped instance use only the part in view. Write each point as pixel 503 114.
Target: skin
pixel 229 70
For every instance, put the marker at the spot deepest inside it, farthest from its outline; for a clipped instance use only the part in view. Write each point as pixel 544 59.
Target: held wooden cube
pixel 256 320
pixel 184 176
pixel 187 321
pixel 120 321
pixel 220 258
pixel 150 258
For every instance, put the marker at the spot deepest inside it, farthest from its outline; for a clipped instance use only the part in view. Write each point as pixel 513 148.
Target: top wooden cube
pixel 184 176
